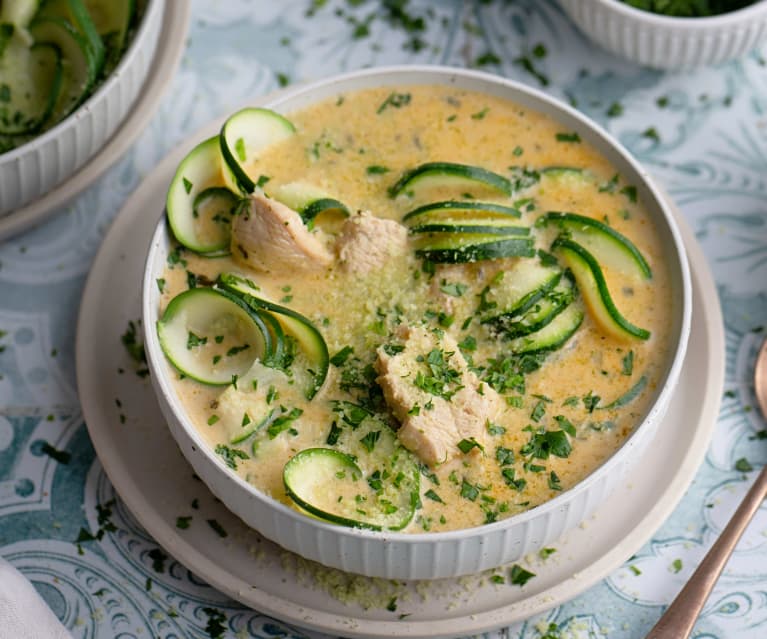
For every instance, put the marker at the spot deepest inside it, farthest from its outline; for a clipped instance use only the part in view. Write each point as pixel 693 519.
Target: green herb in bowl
pixel 689 8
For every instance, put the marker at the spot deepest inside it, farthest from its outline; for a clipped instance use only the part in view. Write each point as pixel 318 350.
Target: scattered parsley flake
pixel 231 455
pixel 568 137
pixel 430 494
pixel 519 576
pixel 218 528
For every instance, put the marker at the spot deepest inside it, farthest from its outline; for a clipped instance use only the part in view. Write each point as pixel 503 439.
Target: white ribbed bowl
pixel 33 169
pixel 439 554
pixel 665 42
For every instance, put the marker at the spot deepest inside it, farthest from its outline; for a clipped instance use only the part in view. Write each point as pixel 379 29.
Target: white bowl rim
pixel 730 18
pixel 152 8
pixel 155 354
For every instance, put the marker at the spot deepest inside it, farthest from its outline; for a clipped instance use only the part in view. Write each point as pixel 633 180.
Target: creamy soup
pixel 447 413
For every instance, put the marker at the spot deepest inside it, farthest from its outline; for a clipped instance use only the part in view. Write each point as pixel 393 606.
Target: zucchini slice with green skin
pixel 552 336
pixel 456 208
pixel 539 314
pixel 212 336
pixel 75 13
pixel 453 248
pixel 562 171
pixel 469 228
pixel 19 13
pixel 34 76
pixel 200 202
pixel 112 20
pixel 449 174
pixel 80 68
pixel 593 287
pixel 294 324
pixel 309 201
pixel 518 289
pixel 325 481
pixel 246 134
pixel 611 248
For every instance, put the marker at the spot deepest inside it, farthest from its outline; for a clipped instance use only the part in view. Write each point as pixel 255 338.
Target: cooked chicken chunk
pixel 431 391
pixel 270 236
pixel 367 242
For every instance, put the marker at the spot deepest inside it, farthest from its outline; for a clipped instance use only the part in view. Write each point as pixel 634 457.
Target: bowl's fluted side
pixel 669 43
pixel 35 168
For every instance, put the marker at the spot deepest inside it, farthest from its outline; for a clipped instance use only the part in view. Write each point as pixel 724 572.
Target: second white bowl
pixel 665 42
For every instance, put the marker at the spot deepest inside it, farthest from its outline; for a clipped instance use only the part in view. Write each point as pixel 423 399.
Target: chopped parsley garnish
pixel 262 181
pixel 568 137
pixel 676 565
pixel 480 115
pixel 615 109
pixel 132 344
pixel 237 349
pixel 689 8
pixel 469 491
pixel 565 424
pixel 187 185
pixel 430 494
pixel 523 178
pixel 370 440
pixel 590 401
pixel 545 553
pixel 519 576
pixel 468 343
pixel 487 58
pixel 160 284
pixel 213 419
pixel 554 482
pixel 527 64
pixel 216 619
pixel 455 289
pixel 539 410
pixel 183 522
pixel 283 422
pixel 504 456
pixel 494 429
pixel 192 341
pixel 333 435
pixel 218 528
pixel 743 465
pixel 231 455
pixel 396 100
pixel 377 169
pixel 630 192
pixel 546 443
pixel 651 133
pixel 465 445
pixel 635 570
pixel 442 381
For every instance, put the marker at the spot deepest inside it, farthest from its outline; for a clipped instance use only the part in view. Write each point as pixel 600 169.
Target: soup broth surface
pixel 356 146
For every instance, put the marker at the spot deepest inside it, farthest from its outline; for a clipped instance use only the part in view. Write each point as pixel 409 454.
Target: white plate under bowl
pixel 153 478
pixel 171 43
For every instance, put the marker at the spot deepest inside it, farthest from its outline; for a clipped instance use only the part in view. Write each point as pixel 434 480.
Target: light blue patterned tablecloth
pixel 703 134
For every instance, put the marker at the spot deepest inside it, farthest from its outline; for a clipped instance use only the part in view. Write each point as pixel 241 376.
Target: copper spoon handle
pixel 678 620
pixel 680 617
